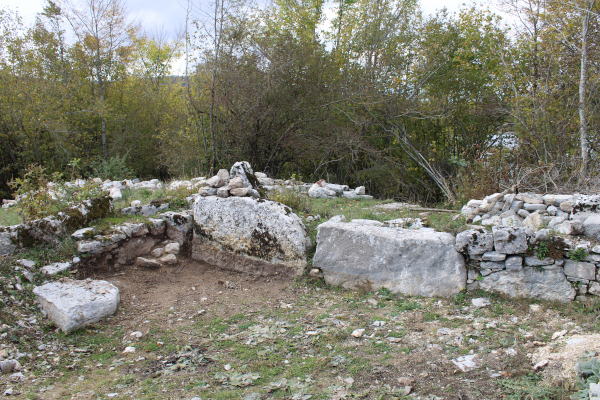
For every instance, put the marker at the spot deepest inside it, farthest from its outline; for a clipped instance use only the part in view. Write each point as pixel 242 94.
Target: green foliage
pixel 406 305
pixel 42 194
pixel 528 387
pixel 588 369
pixel 37 198
pixel 542 250
pixel 114 169
pixel 577 254
pixel 298 201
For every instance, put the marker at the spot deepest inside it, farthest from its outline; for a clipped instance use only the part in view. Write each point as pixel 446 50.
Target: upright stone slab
pixel 249 235
pixel 74 304
pixel 179 225
pixel 419 262
pixel 243 170
pixel 548 284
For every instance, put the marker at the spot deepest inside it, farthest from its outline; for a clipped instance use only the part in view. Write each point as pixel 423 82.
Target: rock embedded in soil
pixel 169 259
pixel 74 304
pixel 149 263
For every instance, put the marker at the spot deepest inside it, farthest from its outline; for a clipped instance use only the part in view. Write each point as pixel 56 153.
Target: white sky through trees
pixel 170 14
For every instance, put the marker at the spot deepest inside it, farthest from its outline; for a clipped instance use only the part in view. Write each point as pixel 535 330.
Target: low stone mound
pixel 417 262
pixel 249 235
pixel 74 304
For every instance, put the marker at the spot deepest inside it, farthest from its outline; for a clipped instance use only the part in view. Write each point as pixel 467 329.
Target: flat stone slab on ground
pixel 74 304
pixel 419 262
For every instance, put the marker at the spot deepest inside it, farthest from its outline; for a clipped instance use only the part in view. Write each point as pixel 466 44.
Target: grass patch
pixel 10 216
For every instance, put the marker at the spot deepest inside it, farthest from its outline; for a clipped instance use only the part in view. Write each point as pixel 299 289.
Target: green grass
pixel 10 216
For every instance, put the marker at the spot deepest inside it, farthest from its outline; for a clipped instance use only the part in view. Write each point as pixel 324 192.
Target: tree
pixel 106 36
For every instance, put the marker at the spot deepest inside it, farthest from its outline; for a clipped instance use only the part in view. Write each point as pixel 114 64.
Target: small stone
pixel 540 365
pixel 349 381
pixel 566 206
pixel 172 248
pixel 136 203
pixel 156 253
pixel 513 263
pixel 9 366
pixel 240 192
pixel 149 263
pixel 228 366
pixel 558 334
pixel 594 391
pixel 493 256
pixel 223 192
pixel 169 259
pixel 535 308
pixel 18 377
pixel 466 363
pixel 236 183
pixel 360 190
pixel 480 302
pixel 111 395
pixel 136 334
pixel 406 381
pixel 358 333
pixel 129 349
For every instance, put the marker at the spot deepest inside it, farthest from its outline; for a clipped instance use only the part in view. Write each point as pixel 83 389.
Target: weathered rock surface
pixel 179 225
pixel 135 248
pixel 475 242
pixel 149 263
pixel 412 262
pixel 584 206
pixel 549 284
pixel 74 304
pixel 243 170
pixel 582 270
pixel 250 235
pixel 56 268
pixel 510 240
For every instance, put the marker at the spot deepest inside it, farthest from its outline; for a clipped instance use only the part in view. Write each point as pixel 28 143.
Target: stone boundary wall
pixel 531 245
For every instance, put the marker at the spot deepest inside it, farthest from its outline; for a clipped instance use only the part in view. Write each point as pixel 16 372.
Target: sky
pixel 169 15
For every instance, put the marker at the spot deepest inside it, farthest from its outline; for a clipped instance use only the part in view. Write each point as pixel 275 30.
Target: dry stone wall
pixel 532 245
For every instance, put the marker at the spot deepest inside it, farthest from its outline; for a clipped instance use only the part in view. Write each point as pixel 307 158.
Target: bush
pixel 293 198
pixel 41 194
pixel 588 369
pixel 114 169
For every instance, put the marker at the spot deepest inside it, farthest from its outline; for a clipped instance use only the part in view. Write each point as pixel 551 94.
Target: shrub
pixel 114 169
pixel 41 194
pixel 293 198
pixel 588 369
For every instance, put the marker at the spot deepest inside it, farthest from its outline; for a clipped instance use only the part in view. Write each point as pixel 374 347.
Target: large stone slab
pixel 249 235
pixel 548 284
pixel 74 304
pixel 418 262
